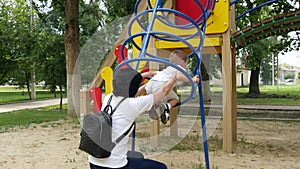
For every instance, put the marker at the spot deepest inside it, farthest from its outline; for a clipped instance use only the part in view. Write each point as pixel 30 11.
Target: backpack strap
pixel 116 105
pixel 108 106
pixel 125 133
pixel 112 112
pixel 109 100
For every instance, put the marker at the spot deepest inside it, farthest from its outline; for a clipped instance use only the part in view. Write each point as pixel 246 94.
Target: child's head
pixel 178 57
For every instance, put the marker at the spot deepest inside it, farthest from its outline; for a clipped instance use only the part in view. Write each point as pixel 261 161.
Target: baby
pixel 162 110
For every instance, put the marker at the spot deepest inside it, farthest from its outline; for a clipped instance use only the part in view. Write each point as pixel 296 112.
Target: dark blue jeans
pixel 137 163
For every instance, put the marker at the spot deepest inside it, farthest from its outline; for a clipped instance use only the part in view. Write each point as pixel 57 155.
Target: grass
pixel 14 94
pixel 269 95
pixel 292 90
pixel 23 118
pixel 268 101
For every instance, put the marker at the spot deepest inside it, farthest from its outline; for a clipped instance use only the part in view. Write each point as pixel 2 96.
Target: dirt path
pixel 261 144
pixel 29 104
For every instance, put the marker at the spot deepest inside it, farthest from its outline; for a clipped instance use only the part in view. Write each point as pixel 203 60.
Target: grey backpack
pixel 96 133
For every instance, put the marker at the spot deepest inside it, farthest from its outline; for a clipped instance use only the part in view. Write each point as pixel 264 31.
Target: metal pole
pixel 273 74
pixel 277 71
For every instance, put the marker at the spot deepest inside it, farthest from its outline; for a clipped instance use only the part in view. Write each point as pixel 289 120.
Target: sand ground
pixel 261 144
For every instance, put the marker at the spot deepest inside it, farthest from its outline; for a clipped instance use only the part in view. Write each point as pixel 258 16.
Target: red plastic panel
pixel 192 9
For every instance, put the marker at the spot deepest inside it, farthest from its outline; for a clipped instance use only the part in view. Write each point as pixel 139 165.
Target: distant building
pixel 243 77
pixel 288 73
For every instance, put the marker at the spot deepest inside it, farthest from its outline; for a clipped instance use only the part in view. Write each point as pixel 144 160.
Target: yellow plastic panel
pixel 213 41
pixel 218 22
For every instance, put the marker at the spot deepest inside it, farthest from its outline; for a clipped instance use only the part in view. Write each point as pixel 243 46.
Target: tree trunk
pixel 28 89
pixel 72 52
pixel 254 83
pixel 32 85
pixel 61 97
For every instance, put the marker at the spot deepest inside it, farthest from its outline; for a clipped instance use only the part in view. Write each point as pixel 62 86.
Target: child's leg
pixel 171 103
pixel 172 98
pixel 165 116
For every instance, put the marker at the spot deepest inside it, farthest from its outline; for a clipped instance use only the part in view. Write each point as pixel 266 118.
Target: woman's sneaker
pixel 165 116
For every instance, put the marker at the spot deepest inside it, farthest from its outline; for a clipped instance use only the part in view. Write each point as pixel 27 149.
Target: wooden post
pixel 227 93
pixel 233 101
pixel 155 124
pixel 154 132
pixel 173 122
pixel 233 62
pixel 173 119
pixel 84 103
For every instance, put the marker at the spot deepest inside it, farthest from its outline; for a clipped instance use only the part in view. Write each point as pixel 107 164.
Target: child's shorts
pixel 153 85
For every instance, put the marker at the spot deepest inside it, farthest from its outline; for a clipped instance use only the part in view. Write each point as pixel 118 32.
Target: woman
pixel 126 83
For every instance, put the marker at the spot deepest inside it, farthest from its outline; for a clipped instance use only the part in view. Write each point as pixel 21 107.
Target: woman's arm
pixel 141 90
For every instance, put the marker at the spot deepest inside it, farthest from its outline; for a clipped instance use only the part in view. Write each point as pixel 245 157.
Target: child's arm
pixel 196 79
pixel 183 78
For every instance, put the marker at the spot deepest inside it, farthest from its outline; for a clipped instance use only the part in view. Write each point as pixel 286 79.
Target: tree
pixel 53 61
pixel 18 42
pixel 89 17
pixel 53 50
pixel 7 63
pixel 259 50
pixel 43 45
pixel 72 52
pixel 51 53
pixel 117 8
pixel 266 74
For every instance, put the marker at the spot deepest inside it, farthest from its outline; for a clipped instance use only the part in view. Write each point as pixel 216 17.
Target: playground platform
pixel 252 107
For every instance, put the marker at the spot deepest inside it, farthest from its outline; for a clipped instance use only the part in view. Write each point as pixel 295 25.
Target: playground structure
pixel 271 26
pixel 218 26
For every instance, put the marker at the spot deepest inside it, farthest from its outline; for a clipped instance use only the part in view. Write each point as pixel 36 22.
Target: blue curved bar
pixel 197 51
pixel 147 32
pixel 136 18
pixel 203 124
pixel 233 2
pixel 130 39
pixel 150 26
